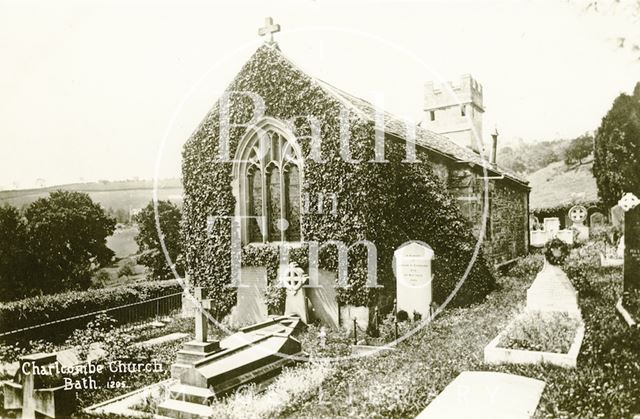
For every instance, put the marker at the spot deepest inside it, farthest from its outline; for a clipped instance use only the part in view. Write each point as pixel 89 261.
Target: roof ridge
pixel 455 151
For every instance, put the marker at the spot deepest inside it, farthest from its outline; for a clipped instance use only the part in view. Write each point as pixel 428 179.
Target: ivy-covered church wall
pixel 384 203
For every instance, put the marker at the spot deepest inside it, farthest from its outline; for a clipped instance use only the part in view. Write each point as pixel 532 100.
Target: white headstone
pixel 538 238
pixel 551 226
pixel 552 291
pixel 412 266
pixel 566 236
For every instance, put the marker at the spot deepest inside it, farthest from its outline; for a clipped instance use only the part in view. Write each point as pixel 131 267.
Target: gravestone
pixel 596 219
pixel 630 204
pixel 617 217
pixel 551 226
pixel 254 355
pixel 412 267
pixel 552 291
pixel 251 306
pixel 29 396
pixel 484 394
pixel 200 347
pixel 292 278
pixel 538 238
pixel 577 215
pixel 566 236
pixel 620 248
pixel 323 298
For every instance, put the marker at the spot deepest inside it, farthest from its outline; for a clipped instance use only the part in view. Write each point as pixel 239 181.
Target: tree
pixel 126 270
pixel 13 234
pixel 67 234
pixel 578 149
pixel 617 149
pixel 153 256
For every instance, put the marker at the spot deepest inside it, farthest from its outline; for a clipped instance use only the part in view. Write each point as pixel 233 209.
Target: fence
pixel 126 315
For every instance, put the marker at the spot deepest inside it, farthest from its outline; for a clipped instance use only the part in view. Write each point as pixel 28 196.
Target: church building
pixel 284 160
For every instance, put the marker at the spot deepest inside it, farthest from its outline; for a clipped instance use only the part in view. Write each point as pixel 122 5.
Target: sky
pixel 93 90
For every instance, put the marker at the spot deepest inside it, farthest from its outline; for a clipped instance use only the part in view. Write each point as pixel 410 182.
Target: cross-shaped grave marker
pixel 202 322
pixel 269 29
pixel 292 278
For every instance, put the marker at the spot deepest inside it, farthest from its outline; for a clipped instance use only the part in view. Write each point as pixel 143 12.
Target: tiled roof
pixel 396 126
pixel 430 140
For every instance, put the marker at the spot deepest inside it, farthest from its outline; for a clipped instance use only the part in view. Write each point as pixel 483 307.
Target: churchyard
pixel 402 381
pixel 401 274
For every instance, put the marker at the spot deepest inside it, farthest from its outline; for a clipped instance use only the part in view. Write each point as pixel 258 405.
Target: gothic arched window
pixel 267 174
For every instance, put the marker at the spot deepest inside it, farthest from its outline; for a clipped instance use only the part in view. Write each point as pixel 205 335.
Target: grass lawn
pixel 401 383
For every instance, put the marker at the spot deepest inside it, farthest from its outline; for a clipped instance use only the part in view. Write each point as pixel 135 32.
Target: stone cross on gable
pixel 201 317
pixel 269 29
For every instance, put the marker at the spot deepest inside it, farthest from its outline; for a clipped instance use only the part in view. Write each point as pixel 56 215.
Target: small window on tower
pixel 433 115
pixel 463 110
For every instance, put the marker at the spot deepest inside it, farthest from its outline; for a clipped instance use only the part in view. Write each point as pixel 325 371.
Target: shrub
pixel 126 270
pixel 152 254
pixel 37 310
pixel 12 352
pixel 580 267
pixel 402 316
pixel 102 278
pixel 537 331
pixel 527 266
pixel 94 332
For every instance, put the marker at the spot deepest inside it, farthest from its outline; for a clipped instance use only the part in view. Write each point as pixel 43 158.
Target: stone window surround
pixel 243 165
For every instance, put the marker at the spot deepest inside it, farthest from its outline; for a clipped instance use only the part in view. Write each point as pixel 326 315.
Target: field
pixel 115 195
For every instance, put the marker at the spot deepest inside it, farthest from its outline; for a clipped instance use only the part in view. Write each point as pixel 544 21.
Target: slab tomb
pixel 209 369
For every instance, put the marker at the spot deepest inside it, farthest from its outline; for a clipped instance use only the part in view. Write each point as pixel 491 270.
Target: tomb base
pixel 552 291
pixel 191 353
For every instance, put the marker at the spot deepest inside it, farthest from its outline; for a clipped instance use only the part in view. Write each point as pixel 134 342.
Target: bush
pixel 12 352
pixel 402 316
pixel 102 278
pixel 152 254
pixel 95 331
pixel 581 266
pixel 37 310
pixel 537 331
pixel 126 270
pixel 527 266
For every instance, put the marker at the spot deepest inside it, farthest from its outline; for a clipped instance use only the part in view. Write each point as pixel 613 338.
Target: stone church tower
pixel 455 111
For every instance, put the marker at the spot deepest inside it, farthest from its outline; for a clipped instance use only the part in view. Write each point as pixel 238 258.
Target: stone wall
pixel 506 230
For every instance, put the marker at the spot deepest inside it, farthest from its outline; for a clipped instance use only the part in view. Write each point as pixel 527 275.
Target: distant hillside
pixel 557 185
pixel 120 195
pixel 527 157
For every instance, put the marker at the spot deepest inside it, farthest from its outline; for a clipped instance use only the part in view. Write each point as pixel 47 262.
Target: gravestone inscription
pixel 412 265
pixel 630 204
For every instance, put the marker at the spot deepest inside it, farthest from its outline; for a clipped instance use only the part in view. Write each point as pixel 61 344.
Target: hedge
pixel 42 309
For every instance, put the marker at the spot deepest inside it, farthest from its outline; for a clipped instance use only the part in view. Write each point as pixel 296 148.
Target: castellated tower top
pixel 455 110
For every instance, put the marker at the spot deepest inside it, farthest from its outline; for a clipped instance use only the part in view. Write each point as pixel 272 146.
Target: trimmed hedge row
pixel 37 310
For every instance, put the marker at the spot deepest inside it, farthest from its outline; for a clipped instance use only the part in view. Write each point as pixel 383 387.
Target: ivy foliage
pixel 384 203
